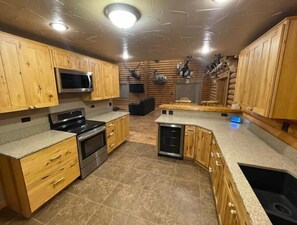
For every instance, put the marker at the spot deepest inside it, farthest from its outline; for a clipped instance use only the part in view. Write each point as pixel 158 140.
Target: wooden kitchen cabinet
pixel 38 73
pixel 203 146
pixel 105 81
pixel 31 181
pixel 12 92
pixel 27 76
pixel 117 131
pixel 266 82
pixel 189 141
pixel 69 60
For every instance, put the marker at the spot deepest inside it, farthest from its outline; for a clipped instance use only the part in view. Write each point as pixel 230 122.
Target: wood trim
pixel 194 107
pixel 282 135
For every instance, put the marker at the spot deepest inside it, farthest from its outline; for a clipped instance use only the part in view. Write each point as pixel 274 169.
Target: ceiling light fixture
pixel 59 26
pixel 205 49
pixel 219 1
pixel 125 55
pixel 122 15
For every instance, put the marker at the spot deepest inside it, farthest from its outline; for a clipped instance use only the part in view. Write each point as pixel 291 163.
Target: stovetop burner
pixel 73 121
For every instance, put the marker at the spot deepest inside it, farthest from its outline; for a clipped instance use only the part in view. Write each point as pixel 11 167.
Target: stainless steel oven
pixel 92 150
pixel 91 137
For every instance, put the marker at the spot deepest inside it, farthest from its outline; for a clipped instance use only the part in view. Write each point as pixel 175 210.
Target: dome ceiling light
pixel 122 15
pixel 59 26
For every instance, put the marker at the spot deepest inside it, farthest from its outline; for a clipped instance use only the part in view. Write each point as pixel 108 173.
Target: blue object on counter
pixel 236 119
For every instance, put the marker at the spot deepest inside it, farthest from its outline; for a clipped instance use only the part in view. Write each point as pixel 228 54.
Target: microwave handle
pixel 90 84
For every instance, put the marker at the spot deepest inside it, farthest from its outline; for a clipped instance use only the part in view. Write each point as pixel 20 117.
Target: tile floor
pixel 134 187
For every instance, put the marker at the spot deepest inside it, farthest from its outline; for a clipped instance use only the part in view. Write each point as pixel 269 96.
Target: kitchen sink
pixel 277 192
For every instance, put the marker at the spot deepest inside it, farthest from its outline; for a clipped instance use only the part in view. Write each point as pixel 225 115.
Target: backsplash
pixel 11 127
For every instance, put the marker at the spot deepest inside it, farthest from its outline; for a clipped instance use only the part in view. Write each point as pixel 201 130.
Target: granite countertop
pixel 27 146
pixel 240 145
pixel 107 117
pixel 201 108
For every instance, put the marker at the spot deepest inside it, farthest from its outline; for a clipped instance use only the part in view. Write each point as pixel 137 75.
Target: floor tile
pixel 47 212
pixel 187 162
pixel 98 189
pixel 143 164
pixel 7 215
pixel 164 168
pixel 208 216
pixel 125 160
pixel 23 221
pixel 76 187
pixel 108 216
pixel 149 151
pixel 135 177
pixel 188 173
pixel 132 220
pixel 186 190
pixel 151 206
pixel 122 197
pixel 110 171
pixel 78 211
pixel 159 184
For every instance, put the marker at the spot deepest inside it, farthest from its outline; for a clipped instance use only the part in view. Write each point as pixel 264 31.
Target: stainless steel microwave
pixel 73 81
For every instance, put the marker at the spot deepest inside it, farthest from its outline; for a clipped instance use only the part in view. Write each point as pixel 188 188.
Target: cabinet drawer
pixel 110 126
pixel 58 180
pixel 111 143
pixel 41 165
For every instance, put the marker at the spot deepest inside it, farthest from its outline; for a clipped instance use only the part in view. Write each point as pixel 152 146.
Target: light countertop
pixel 199 108
pixel 107 117
pixel 239 145
pixel 26 146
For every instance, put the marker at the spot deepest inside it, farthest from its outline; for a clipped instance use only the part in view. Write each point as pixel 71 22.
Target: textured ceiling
pixel 167 28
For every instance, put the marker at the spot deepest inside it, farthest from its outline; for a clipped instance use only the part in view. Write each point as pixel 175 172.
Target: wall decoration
pixel 183 69
pixel 133 72
pixel 158 78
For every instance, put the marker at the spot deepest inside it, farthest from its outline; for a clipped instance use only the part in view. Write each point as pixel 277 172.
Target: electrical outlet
pixel 26 119
pixel 92 106
pixel 110 104
pixel 164 112
pixel 170 112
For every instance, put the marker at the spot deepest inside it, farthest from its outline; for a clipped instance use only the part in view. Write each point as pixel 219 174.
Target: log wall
pixel 161 93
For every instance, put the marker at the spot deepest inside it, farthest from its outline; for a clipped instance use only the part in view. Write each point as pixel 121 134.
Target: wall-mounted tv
pixel 136 88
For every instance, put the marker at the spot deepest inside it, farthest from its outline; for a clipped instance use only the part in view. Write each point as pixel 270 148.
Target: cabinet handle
pixel 111 145
pixel 210 169
pixel 233 212
pixel 110 125
pixel 186 134
pixel 31 107
pixel 230 205
pixel 58 181
pixel 190 130
pixel 211 154
pixel 55 158
pixel 217 163
pixel 213 142
pixel 219 155
pixel 111 134
pixel 35 106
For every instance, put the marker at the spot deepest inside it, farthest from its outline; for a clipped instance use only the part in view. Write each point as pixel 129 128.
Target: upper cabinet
pixel 12 93
pixel 70 60
pixel 39 77
pixel 266 81
pixel 105 81
pixel 26 75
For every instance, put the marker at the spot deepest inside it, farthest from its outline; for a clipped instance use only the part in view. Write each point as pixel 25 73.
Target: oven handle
pixel 91 133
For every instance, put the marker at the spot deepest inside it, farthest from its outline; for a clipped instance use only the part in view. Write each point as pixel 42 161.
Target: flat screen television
pixel 136 88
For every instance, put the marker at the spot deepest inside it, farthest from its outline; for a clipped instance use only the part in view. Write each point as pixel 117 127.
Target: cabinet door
pixel 107 79
pixel 82 63
pixel 12 93
pixel 189 141
pixel 125 127
pixel 63 59
pixel 39 77
pixel 118 131
pixel 268 69
pixel 115 81
pixel 203 145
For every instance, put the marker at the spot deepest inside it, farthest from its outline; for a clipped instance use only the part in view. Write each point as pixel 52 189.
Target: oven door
pixel 91 145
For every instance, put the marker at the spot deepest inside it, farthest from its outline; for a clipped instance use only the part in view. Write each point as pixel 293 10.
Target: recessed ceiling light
pixel 125 55
pixel 58 26
pixel 122 15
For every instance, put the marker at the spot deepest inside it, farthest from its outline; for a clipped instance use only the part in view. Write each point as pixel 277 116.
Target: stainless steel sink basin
pixel 277 192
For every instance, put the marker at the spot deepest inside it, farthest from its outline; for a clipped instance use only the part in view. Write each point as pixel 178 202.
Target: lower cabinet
pixel 31 181
pixel 230 208
pixel 117 131
pixel 197 144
